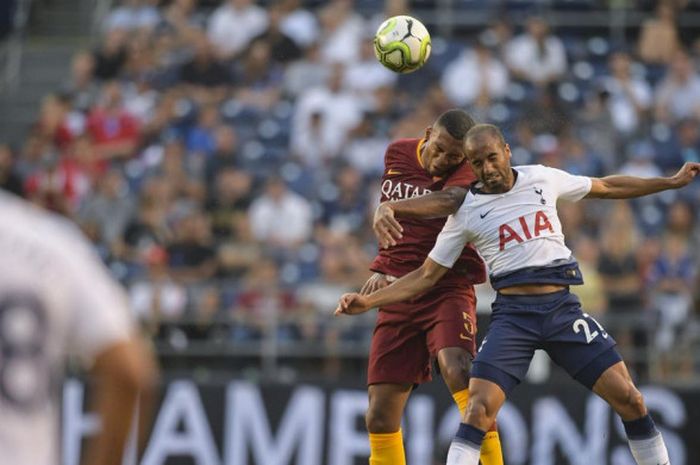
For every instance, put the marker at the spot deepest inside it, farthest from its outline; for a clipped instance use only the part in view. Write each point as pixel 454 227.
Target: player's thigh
pixel 616 387
pixel 398 353
pixel 506 351
pixel 577 342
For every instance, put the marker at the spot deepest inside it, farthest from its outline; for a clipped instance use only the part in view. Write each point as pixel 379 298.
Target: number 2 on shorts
pixel 583 324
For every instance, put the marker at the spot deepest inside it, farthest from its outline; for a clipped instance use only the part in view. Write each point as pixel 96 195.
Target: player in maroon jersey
pixel 440 324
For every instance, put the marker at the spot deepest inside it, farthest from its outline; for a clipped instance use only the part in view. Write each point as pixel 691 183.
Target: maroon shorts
pixel 408 336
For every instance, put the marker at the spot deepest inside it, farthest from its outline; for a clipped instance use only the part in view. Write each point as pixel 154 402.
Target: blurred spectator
pixel 685 146
pixel 225 153
pixel 497 36
pixel 475 77
pixel 111 55
pixel 322 120
pixel 365 150
pixel 233 25
pixel 228 203
pixel 114 131
pixel 342 31
pixel 307 73
pixel 640 161
pixel 344 211
pixel 366 74
pixel 187 186
pixel 191 254
pixel 201 137
pixel 82 86
pixel 621 273
pixel 577 159
pixel 57 122
pixel 263 306
pixel 629 97
pixel 537 56
pixel 592 292
pixel 283 48
pixel 546 114
pixel 110 208
pixel 9 179
pixel 133 15
pixel 259 78
pixel 658 38
pixel 280 217
pixel 204 69
pixel 678 95
pixel 595 125
pixel 156 298
pixel 299 24
pixel 671 279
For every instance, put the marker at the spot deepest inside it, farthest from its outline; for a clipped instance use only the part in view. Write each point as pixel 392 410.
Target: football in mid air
pixel 402 44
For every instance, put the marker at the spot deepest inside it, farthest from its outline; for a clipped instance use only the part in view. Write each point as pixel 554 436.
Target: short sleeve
pixel 451 240
pixel 101 316
pixel 569 186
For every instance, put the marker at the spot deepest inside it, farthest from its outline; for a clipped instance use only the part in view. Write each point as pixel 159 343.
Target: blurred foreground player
pixel 57 300
pixel 510 216
pixel 440 324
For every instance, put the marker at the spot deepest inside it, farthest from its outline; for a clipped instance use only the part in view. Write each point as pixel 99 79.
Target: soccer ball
pixel 402 44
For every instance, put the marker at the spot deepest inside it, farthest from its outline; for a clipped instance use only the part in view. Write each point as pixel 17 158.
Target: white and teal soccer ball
pixel 402 44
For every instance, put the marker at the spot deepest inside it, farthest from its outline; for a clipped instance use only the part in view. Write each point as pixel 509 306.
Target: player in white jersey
pixel 58 300
pixel 510 216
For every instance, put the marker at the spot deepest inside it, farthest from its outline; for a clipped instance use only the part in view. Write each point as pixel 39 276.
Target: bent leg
pixel 454 365
pixel 616 387
pixel 485 401
pixel 383 420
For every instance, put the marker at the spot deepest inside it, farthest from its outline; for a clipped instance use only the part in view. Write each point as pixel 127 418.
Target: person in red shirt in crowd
pixel 440 324
pixel 115 132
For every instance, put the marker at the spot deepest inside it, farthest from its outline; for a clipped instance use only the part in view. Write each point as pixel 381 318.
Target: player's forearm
pixel 405 288
pixel 437 204
pixel 629 187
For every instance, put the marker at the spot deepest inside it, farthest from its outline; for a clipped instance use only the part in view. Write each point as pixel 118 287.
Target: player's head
pixel 489 156
pixel 444 142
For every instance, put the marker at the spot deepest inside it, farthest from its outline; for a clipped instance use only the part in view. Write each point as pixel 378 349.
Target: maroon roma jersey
pixel 404 177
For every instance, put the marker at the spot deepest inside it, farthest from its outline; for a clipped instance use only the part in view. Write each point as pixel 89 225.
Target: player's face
pixel 442 153
pixel 490 161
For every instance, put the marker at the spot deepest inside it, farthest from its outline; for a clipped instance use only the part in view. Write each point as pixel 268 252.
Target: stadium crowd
pixel 226 161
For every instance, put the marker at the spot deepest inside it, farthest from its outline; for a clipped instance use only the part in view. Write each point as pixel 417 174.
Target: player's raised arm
pixel 408 286
pixel 628 187
pixel 437 204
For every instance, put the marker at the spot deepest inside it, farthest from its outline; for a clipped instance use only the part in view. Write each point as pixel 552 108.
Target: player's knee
pixel 456 373
pixel 379 421
pixel 628 402
pixel 480 413
pixel 634 403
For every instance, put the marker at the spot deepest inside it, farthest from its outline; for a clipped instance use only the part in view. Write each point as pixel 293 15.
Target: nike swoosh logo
pixel 483 215
pixel 390 172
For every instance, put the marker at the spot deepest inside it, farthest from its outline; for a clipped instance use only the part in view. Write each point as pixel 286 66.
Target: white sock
pixel 461 453
pixel 650 451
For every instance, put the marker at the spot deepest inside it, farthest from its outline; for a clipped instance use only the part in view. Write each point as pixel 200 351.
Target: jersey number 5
pixel 582 324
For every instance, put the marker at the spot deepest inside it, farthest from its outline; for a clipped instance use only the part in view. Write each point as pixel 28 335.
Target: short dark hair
pixel 456 122
pixel 482 130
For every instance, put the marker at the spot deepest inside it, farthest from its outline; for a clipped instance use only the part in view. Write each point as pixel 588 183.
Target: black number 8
pixel 24 374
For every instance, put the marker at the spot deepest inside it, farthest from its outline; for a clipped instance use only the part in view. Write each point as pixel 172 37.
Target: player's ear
pixel 507 148
pixel 428 131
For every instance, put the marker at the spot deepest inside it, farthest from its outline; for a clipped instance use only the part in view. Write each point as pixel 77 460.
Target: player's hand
pixel 351 304
pixel 374 283
pixel 386 227
pixel 686 174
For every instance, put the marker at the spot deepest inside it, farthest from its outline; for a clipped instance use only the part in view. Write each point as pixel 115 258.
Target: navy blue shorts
pixel 554 322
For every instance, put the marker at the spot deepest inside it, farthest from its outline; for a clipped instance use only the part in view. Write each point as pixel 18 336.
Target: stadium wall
pixel 243 423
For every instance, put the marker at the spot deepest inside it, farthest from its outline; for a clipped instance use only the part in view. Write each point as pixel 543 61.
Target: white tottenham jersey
pixel 516 229
pixel 56 299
